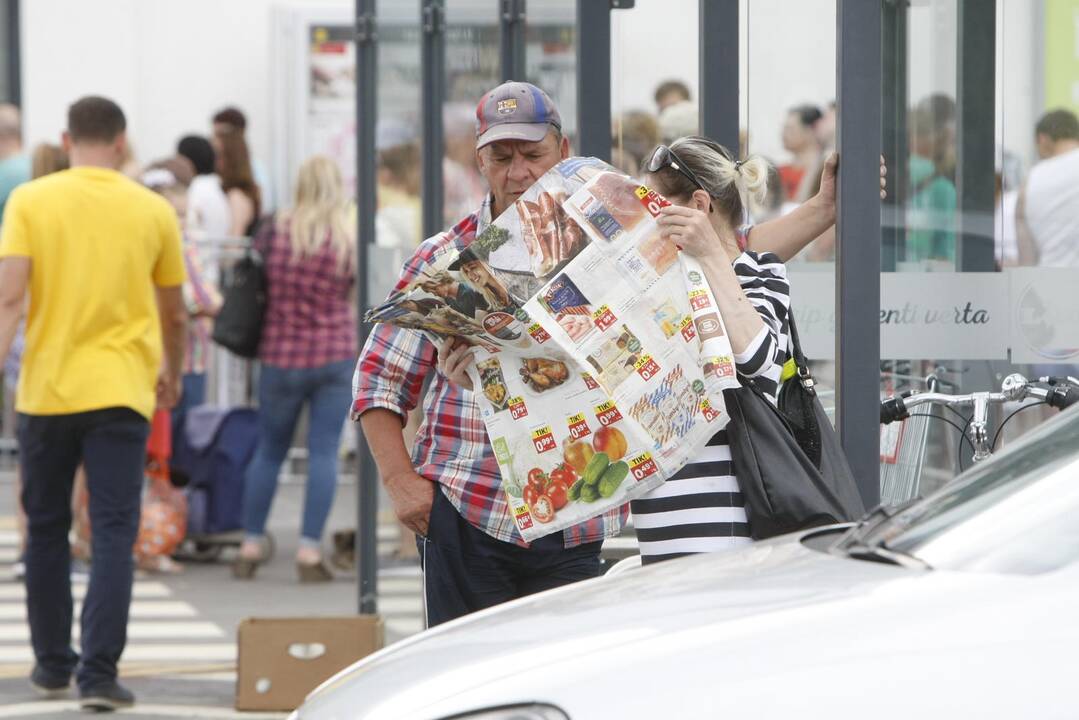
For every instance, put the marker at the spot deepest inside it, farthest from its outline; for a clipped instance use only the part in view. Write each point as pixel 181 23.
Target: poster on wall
pixel 315 82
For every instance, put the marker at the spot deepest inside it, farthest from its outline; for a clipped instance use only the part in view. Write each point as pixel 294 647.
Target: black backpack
pixel 238 327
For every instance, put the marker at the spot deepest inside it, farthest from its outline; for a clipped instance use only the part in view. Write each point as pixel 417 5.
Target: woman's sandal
pixel 245 568
pixel 313 572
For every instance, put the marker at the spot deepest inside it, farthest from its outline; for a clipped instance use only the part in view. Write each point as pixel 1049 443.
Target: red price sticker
pixel 524 520
pixel 698 299
pixel 651 199
pixel 578 427
pixel 646 367
pixel 709 412
pixel 721 366
pixel 607 414
pixel 643 466
pixel 543 439
pixel 538 333
pixel 517 408
pixel 589 381
pixel 603 318
pixel 688 331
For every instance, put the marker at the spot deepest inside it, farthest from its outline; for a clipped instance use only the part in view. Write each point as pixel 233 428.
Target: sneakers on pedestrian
pixel 106 698
pixel 49 685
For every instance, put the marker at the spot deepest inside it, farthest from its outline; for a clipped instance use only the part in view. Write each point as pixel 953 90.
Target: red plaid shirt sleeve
pixel 395 361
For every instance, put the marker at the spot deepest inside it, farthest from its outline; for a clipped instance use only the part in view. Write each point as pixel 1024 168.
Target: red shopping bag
pixel 163 522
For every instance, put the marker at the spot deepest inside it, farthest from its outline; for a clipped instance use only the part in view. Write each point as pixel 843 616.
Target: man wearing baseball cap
pixel 449 490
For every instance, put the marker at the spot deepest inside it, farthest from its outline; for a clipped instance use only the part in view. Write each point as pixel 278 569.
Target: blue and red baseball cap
pixel 515 111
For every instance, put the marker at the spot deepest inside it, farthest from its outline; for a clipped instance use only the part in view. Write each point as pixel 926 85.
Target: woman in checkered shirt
pixel 306 355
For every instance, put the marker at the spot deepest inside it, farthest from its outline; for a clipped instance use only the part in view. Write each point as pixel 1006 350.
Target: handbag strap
pixel 795 346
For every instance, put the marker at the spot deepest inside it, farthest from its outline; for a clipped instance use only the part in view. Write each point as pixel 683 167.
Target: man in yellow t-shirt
pixel 101 260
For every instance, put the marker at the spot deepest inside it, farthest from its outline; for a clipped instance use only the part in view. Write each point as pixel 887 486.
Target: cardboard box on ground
pixel 281 660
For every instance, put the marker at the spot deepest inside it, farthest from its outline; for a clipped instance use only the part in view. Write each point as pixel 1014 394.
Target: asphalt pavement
pixel 181 654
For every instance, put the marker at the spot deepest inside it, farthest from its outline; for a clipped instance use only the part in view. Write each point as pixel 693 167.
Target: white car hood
pixel 699 635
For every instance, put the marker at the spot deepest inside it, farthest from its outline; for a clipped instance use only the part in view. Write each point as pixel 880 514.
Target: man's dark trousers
pixel 465 569
pixel 111 445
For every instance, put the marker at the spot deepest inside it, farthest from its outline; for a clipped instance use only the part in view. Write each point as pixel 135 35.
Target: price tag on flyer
pixel 603 318
pixel 538 333
pixel 709 412
pixel 589 381
pixel 652 200
pixel 720 367
pixel 646 367
pixel 698 299
pixel 607 414
pixel 517 408
pixel 689 333
pixel 524 519
pixel 643 466
pixel 578 426
pixel 543 439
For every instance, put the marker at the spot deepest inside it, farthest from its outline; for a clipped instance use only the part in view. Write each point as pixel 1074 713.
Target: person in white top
pixel 1047 213
pixel 208 214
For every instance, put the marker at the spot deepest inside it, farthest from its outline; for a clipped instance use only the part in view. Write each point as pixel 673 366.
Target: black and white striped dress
pixel 701 509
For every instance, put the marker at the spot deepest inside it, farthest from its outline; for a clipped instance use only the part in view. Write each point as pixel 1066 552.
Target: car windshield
pixel 1013 514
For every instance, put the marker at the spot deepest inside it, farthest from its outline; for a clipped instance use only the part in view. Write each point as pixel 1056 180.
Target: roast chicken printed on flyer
pixel 600 354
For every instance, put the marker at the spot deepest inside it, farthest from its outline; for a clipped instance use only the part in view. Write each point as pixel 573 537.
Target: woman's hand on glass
pixel 454 358
pixel 827 193
pixel 689 229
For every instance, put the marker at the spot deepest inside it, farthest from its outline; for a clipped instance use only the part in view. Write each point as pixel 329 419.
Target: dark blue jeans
pixel 111 444
pixel 194 394
pixel 327 391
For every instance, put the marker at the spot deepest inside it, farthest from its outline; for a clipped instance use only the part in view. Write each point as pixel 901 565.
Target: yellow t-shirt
pixel 98 244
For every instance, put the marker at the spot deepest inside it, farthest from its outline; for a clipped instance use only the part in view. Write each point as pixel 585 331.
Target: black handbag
pixel 791 469
pixel 238 326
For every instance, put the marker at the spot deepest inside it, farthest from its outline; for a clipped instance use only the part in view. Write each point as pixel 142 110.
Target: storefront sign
pixel 1029 313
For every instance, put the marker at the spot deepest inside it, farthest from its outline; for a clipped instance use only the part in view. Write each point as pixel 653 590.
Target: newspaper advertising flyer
pixel 601 356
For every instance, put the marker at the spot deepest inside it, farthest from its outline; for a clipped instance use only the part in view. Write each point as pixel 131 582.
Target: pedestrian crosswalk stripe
pixel 164 653
pixel 10 537
pixel 140 609
pixel 61 708
pixel 142 591
pixel 138 630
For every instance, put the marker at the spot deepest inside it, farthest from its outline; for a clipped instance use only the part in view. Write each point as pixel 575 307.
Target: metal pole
pixel 894 128
pixel 858 36
pixel 513 40
pixel 366 204
pixel 14 59
pixel 719 107
pixel 976 105
pixel 594 78
pixel 434 92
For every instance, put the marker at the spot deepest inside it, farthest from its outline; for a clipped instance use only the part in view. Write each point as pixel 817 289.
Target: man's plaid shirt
pixel 451 447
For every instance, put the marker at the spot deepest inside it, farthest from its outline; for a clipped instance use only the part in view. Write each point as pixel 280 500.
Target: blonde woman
pixel 307 351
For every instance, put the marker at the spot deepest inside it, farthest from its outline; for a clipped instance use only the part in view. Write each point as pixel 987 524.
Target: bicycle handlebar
pixel 1060 393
